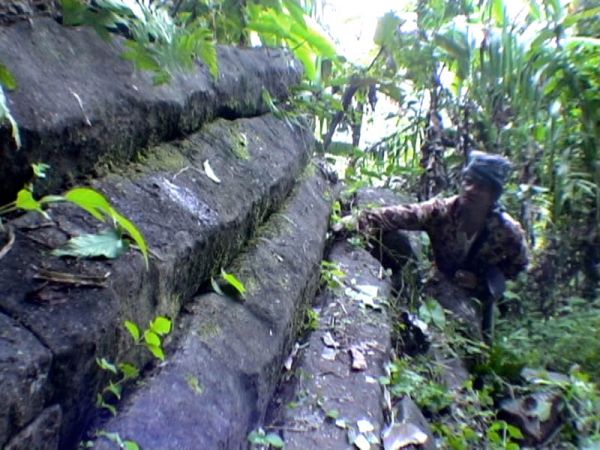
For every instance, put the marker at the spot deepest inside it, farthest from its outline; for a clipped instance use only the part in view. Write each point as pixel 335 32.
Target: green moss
pixel 239 145
pixel 163 157
pixel 209 330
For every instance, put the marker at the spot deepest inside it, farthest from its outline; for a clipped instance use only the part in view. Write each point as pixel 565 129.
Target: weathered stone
pixel 408 412
pixel 79 102
pixel 41 434
pixel 24 367
pixel 352 318
pixel 218 381
pixel 16 10
pixel 193 226
pixel 537 415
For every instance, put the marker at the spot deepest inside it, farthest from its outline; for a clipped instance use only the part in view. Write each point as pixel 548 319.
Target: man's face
pixel 477 193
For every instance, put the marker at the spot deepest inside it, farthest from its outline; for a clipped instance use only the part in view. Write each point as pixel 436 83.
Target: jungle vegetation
pixel 460 74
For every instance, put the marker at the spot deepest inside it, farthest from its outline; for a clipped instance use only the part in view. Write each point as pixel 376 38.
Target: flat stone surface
pixel 217 382
pixel 193 226
pixel 41 434
pixel 78 102
pixel 24 368
pixel 324 380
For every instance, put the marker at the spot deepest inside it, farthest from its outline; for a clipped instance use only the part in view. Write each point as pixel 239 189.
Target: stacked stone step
pixel 83 109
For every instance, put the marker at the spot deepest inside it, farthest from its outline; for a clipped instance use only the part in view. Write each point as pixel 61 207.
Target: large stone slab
pixel 79 102
pixel 41 434
pixel 325 382
pixel 24 368
pixel 193 226
pixel 218 381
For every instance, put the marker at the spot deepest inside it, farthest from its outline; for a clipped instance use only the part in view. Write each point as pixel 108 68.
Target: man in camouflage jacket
pixel 476 245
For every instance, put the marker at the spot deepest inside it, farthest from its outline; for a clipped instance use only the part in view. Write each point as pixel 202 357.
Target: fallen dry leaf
pixel 329 341
pixel 209 172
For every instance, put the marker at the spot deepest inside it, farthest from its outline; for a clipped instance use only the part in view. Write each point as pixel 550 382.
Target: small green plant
pixel 261 438
pixel 151 338
pixel 159 42
pixel 432 313
pixel 109 243
pixel 427 393
pixel 123 444
pixel 502 436
pixel 311 320
pixel 332 277
pixel 229 282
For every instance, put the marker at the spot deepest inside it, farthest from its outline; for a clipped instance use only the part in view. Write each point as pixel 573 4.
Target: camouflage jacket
pixel 501 242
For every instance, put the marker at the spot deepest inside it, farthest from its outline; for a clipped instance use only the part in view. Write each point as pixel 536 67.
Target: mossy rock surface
pixel 79 102
pixel 235 349
pixel 194 226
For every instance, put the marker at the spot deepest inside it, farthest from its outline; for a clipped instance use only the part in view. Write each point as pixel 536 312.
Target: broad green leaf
pixel 133 329
pixel 267 23
pixel 114 437
pixel 130 445
pixel 6 77
pixel 257 437
pixel 333 414
pixel 572 19
pixel 26 201
pixel 140 56
pixel 516 433
pixel 108 406
pixel 156 351
pixel 129 370
pixel 73 11
pixel 132 231
pixel 107 244
pixel 317 41
pixel 151 338
pixel 105 365
pixel 431 312
pixel 206 50
pixel 115 389
pixel 307 57
pixel 233 281
pixel 274 440
pixel 161 325
pixel 386 29
pixel 295 11
pixel 90 200
pixel 498 12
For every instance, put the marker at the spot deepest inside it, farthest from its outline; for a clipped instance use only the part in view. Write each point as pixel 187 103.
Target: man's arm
pixel 415 216
pixel 516 249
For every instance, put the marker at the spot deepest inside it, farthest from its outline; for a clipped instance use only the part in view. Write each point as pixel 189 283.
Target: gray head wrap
pixel 491 169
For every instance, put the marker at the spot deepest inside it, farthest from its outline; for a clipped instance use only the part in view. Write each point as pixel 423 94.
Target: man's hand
pixel 349 222
pixel 465 279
